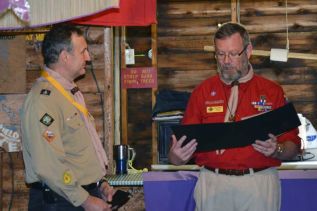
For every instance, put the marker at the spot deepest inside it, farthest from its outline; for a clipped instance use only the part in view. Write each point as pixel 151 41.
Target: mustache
pixel 226 66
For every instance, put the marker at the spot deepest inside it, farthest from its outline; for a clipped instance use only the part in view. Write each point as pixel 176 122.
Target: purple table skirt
pixel 173 191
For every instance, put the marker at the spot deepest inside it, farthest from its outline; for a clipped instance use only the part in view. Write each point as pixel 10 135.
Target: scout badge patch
pixel 49 136
pixel 47 119
pixel 67 178
pixel 262 105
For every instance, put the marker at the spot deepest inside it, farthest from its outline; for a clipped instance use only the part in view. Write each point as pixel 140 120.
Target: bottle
pixel 311 135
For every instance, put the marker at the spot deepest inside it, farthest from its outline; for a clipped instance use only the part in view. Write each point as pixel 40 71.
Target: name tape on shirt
pixel 214 109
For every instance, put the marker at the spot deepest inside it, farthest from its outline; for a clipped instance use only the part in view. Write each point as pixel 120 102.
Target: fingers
pixel 273 137
pixel 110 193
pixel 174 141
pixel 179 143
pixel 189 149
pixel 267 147
pixel 179 155
pixel 107 191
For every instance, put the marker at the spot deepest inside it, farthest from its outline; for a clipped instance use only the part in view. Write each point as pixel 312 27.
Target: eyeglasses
pixel 232 55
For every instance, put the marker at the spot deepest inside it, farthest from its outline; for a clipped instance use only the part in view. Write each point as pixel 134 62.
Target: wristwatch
pixel 99 183
pixel 279 149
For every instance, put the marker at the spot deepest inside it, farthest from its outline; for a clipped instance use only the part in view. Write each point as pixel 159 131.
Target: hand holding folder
pixel 215 136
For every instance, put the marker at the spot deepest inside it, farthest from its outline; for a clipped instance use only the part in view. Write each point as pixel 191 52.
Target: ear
pixel 63 56
pixel 249 50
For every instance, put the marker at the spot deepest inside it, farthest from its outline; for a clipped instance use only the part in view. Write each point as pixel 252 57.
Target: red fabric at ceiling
pixel 130 13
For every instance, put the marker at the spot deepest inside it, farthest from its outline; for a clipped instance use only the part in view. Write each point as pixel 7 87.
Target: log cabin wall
pixel 185 27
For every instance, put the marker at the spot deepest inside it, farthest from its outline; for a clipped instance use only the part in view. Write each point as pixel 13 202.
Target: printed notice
pixel 139 77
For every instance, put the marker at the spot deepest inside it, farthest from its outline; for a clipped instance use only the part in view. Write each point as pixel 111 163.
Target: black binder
pixel 242 133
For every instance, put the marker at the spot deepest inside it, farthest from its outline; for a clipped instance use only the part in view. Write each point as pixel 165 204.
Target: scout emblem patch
pixel 45 92
pixel 47 119
pixel 262 105
pixel 67 178
pixel 49 136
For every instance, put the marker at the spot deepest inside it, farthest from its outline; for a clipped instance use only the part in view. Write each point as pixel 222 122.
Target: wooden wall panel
pixel 14 191
pixel 12 72
pixel 139 101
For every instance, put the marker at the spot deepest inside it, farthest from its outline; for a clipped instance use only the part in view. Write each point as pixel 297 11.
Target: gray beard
pixel 229 78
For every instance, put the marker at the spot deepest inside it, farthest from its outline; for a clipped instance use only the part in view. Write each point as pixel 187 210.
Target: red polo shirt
pixel 208 104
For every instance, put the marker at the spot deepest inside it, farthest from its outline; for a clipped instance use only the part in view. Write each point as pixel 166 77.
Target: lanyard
pixel 61 89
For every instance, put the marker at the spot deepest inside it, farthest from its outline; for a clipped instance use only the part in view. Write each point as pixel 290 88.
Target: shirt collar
pixel 60 79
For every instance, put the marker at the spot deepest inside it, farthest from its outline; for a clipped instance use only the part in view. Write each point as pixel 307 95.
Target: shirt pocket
pixel 74 122
pixel 76 137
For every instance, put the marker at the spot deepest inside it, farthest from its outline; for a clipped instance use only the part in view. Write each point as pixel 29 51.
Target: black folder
pixel 242 133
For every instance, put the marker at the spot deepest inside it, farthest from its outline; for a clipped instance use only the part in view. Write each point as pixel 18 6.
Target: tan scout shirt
pixel 57 148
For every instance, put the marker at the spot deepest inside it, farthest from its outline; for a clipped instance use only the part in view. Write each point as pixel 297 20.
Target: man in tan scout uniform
pixel 64 159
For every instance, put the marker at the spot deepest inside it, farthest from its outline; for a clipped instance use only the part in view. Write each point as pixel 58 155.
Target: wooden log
pixel 108 124
pixel 182 44
pixel 19 201
pixel 193 9
pixel 295 92
pixel 197 9
pixel 13 168
pixel 262 24
pixel 183 80
pixel 263 8
pixel 196 61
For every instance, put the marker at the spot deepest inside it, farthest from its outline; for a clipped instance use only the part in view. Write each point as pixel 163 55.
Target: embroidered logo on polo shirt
pixel 214 109
pixel 262 105
pixel 47 119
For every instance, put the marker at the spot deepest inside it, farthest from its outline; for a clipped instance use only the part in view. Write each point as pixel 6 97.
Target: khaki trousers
pixel 260 191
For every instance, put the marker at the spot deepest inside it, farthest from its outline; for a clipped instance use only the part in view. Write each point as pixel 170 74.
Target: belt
pixel 41 186
pixel 235 172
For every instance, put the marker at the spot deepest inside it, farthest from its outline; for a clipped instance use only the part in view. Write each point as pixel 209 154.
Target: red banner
pixel 139 77
pixel 130 13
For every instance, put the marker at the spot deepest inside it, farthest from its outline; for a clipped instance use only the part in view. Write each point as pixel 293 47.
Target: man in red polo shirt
pixel 243 178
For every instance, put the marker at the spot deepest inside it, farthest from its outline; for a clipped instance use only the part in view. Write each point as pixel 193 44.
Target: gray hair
pixel 229 28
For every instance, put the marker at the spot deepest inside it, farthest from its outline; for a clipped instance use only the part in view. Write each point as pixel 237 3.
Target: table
pixel 173 191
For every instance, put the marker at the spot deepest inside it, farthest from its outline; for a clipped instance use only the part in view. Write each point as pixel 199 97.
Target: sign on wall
pixel 138 77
